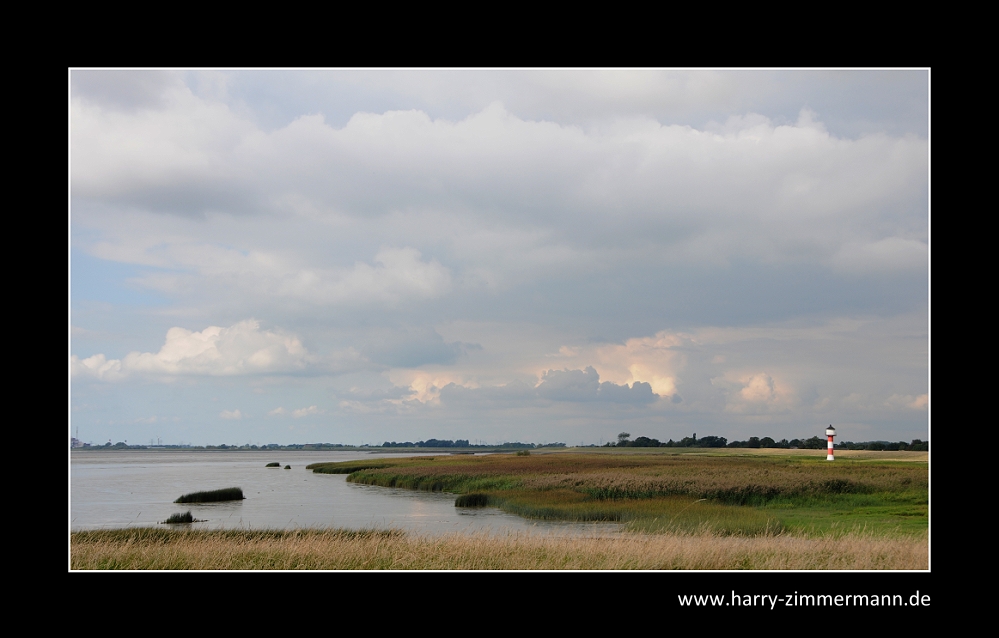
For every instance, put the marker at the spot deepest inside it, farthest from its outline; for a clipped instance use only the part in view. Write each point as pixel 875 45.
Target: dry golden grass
pixel 144 549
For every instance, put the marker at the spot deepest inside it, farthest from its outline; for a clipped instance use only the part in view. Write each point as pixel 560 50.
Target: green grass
pixel 723 494
pixel 906 512
pixel 274 464
pixel 346 467
pixel 213 496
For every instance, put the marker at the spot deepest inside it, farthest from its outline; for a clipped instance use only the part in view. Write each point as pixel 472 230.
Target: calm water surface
pixel 136 488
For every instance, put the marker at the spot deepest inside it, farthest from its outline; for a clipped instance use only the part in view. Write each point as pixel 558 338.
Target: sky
pixel 361 256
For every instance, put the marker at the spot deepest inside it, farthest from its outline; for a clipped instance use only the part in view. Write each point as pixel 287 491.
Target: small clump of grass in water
pixel 287 467
pixel 472 500
pixel 180 518
pixel 274 464
pixel 213 496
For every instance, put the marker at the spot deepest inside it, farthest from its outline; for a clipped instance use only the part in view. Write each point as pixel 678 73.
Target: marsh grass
pixel 720 493
pixel 141 549
pixel 273 464
pixel 213 496
pixel 658 515
pixel 346 467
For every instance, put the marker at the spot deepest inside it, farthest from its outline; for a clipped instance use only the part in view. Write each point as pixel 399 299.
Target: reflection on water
pixel 136 488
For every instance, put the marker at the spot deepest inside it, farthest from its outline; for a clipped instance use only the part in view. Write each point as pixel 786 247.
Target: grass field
pixel 723 492
pixel 685 509
pixel 142 549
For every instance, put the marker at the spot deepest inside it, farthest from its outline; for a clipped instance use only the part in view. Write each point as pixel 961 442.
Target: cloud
pixel 125 90
pixel 443 388
pixel 760 388
pixel 425 386
pixel 96 366
pixel 164 138
pixel 652 360
pixel 585 385
pixel 755 392
pixel 408 347
pixel 231 414
pixel 309 411
pixel 890 254
pixel 614 240
pixel 908 401
pixel 790 189
pixel 379 401
pixel 398 274
pixel 240 349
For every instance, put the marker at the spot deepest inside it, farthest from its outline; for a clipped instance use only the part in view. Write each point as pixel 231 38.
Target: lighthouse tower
pixel 830 433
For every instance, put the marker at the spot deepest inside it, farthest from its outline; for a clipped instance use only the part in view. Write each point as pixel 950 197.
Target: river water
pixel 136 488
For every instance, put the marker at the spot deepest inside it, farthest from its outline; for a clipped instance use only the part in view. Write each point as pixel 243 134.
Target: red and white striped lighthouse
pixel 830 433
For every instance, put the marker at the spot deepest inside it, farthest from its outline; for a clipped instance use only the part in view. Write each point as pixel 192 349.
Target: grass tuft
pixel 179 518
pixel 472 500
pixel 274 464
pixel 213 496
pixel 346 467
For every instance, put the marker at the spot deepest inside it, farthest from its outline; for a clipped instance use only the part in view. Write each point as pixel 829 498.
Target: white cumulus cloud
pixel 300 412
pixel 755 392
pixel 243 348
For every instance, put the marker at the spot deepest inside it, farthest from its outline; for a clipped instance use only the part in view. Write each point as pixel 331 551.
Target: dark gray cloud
pixel 585 385
pixel 565 386
pixel 127 90
pixel 412 347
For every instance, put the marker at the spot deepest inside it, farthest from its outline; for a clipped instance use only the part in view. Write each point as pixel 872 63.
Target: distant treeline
pixel 814 443
pixel 463 443
pixel 120 445
pixel 438 443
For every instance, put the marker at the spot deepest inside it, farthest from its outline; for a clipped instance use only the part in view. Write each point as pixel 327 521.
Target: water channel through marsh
pixel 136 488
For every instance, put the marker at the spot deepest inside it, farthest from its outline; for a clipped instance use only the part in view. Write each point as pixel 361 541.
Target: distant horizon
pixel 403 444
